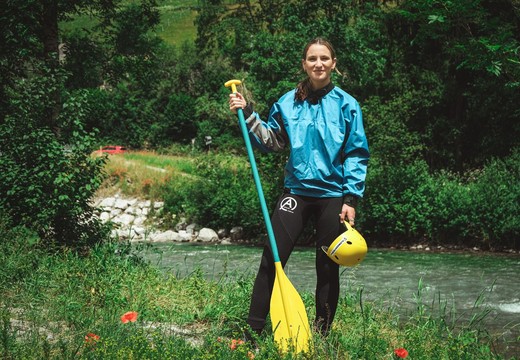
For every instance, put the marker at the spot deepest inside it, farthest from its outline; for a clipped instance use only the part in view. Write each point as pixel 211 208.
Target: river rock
pixel 168 235
pixel 125 219
pixel 185 236
pixel 222 233
pixel 139 220
pixel 158 204
pixel 192 228
pixel 107 202
pixel 104 217
pixel 121 204
pixel 207 235
pixel 133 221
pixel 181 225
pixel 115 212
pixel 236 233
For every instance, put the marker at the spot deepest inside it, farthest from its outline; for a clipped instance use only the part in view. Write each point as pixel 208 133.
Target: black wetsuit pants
pixel 289 218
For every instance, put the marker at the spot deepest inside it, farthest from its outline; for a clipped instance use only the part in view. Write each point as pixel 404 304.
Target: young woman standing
pixel 325 175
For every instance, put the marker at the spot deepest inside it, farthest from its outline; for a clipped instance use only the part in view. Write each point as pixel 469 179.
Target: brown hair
pixel 304 87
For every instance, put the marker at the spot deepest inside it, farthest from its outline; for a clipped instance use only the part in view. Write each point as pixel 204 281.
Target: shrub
pixel 407 203
pixel 398 202
pixel 495 204
pixel 48 177
pixel 222 195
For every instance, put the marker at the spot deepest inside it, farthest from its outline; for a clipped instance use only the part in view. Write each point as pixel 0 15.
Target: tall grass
pixel 183 164
pixel 143 174
pixel 176 25
pixel 64 306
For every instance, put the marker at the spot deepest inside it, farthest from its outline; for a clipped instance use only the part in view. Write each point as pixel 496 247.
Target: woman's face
pixel 318 64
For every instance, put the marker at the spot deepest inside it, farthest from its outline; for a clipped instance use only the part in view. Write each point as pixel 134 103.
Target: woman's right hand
pixel 236 101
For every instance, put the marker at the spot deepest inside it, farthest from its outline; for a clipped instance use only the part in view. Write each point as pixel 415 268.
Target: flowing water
pixel 467 285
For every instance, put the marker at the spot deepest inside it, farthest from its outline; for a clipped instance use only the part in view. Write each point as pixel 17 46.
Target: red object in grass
pixel 91 337
pixel 112 149
pixel 130 316
pixel 235 343
pixel 401 353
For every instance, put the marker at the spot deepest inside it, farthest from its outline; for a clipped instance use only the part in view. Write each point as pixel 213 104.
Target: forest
pixel 438 83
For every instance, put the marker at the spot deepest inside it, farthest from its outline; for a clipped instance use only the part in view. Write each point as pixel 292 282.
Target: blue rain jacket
pixel 329 150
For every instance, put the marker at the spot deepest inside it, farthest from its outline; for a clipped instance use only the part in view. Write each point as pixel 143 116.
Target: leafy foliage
pixel 438 83
pixel 48 180
pixel 407 203
pixel 223 194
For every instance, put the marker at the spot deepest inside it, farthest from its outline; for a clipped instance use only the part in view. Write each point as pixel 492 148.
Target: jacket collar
pixel 316 95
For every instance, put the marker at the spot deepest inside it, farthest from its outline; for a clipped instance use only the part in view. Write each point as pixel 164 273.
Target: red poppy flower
pixel 235 343
pixel 91 337
pixel 130 316
pixel 401 353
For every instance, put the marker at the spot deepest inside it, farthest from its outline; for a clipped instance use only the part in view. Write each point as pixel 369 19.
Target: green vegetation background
pixel 439 83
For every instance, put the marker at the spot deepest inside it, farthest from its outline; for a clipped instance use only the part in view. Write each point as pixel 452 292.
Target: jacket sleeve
pixel 356 153
pixel 267 136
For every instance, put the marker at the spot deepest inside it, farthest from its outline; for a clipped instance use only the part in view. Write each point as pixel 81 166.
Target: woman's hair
pixel 304 87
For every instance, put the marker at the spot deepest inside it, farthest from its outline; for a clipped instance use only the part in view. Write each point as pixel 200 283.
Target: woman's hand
pixel 349 213
pixel 236 101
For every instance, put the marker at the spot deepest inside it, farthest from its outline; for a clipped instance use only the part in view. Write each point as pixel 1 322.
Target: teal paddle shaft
pixel 254 170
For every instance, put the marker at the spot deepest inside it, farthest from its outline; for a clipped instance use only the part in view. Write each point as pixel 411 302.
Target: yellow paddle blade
pixel 288 316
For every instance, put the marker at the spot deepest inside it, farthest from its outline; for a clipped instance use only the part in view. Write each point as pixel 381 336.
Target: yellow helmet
pixel 349 249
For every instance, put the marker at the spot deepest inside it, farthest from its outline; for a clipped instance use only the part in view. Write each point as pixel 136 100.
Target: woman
pixel 325 174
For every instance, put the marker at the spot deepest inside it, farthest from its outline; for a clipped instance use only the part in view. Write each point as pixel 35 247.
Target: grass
pixel 141 174
pixel 176 26
pixel 182 164
pixel 61 306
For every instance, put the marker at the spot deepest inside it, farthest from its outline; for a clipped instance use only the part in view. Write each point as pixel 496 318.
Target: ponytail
pixel 302 90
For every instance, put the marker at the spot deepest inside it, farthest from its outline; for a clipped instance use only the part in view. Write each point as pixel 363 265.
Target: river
pixel 467 284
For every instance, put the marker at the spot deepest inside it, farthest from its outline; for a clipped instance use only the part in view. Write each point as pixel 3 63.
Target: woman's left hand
pixel 348 213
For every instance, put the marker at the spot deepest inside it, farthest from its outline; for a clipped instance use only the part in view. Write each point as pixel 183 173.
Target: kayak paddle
pixel 288 316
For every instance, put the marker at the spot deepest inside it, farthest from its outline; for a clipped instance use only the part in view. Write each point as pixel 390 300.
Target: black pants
pixel 291 214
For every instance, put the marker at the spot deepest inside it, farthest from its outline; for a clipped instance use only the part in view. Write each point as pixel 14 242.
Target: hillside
pixel 176 27
pixel 177 17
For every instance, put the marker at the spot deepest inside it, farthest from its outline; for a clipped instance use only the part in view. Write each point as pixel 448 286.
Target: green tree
pixel 472 47
pixel 45 185
pixel 47 174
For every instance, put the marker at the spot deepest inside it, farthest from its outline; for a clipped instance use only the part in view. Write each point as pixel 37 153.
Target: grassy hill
pixel 176 27
pixel 177 17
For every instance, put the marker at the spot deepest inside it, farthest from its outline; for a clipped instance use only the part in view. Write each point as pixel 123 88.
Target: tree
pixel 472 47
pixel 47 175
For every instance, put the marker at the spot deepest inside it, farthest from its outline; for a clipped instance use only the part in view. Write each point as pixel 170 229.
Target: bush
pixel 177 123
pixel 406 203
pixel 397 202
pixel 47 177
pixel 495 206
pixel 222 195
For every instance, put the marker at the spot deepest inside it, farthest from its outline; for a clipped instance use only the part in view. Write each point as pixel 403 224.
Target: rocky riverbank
pixel 138 220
